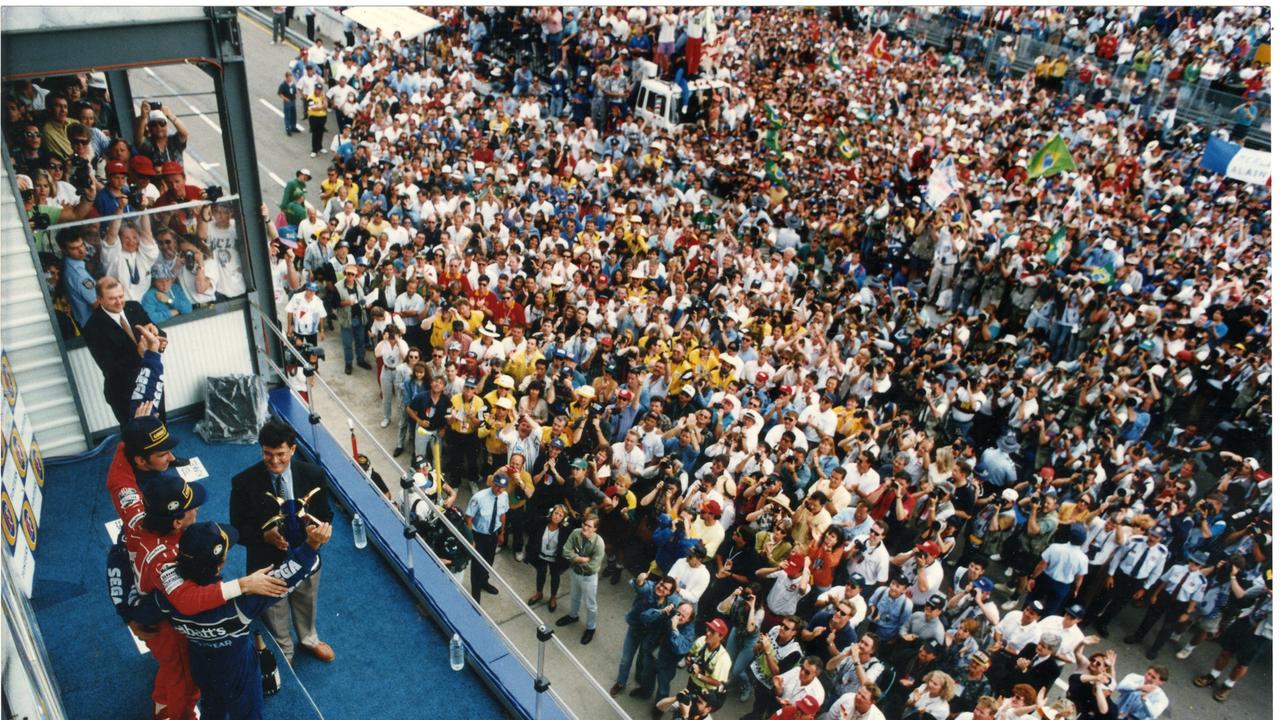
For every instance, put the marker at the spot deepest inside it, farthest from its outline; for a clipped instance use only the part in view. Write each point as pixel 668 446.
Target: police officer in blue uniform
pixel 77 281
pixel 224 663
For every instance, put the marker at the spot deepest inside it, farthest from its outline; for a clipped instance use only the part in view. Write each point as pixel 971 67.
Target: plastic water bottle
pixel 457 653
pixel 357 532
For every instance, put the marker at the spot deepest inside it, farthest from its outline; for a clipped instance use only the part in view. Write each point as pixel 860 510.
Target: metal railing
pixel 555 668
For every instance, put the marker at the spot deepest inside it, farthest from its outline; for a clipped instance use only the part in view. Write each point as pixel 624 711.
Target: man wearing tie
pixel 1175 597
pixel 487 517
pixel 272 503
pixel 1133 571
pixel 113 343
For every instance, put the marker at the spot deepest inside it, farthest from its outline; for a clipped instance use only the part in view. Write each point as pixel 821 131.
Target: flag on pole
pixel 943 183
pixel 774 172
pixel 876 48
pixel 772 115
pixel 771 141
pixel 1237 163
pixel 833 60
pixel 845 146
pixel 1051 159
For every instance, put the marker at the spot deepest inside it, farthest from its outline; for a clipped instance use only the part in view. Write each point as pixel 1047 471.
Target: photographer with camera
pixel 151 134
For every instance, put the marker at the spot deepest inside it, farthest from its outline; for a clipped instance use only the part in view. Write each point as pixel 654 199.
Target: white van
pixel 658 101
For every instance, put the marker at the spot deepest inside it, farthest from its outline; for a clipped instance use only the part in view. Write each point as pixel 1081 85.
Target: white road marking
pixel 217 128
pixel 271 107
pixel 207 165
pixel 274 176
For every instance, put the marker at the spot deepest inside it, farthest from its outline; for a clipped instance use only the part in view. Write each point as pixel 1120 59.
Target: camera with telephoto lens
pixel 80 176
pixel 189 260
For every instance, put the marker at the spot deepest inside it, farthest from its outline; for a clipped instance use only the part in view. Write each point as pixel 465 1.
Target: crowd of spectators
pixel 858 457
pixel 864 457
pixel 74 163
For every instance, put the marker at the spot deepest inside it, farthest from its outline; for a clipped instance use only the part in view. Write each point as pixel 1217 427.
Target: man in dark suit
pixel 272 503
pixel 113 342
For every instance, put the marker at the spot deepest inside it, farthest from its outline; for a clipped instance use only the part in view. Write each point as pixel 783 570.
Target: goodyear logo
pixel 29 527
pixel 8 520
pixel 19 452
pixel 37 462
pixel 9 381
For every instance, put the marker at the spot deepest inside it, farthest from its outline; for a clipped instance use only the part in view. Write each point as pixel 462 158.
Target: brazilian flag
pixel 833 60
pixel 845 146
pixel 774 172
pixel 772 114
pixel 1054 251
pixel 771 141
pixel 1051 159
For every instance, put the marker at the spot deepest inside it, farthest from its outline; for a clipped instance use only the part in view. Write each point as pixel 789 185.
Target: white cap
pixel 156 116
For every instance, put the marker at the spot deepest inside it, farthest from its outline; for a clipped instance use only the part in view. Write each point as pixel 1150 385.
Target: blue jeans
pixel 290 117
pixel 352 339
pixel 630 646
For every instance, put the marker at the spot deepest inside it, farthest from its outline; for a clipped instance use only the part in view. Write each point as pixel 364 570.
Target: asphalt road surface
pixel 189 92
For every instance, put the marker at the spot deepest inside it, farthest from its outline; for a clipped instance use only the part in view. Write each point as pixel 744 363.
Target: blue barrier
pixel 452 610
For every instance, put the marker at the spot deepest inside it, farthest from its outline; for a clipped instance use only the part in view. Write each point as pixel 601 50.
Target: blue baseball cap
pixel 207 542
pixel 984 584
pixel 146 435
pixel 167 494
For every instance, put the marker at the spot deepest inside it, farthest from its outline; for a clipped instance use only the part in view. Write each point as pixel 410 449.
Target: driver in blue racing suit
pixel 224 663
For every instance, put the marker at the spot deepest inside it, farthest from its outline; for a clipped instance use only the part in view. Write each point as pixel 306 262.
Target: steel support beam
pixel 63 50
pixel 122 101
pixel 231 87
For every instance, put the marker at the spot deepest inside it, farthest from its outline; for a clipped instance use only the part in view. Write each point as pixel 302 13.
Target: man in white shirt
pixel 305 314
pixel 1142 697
pixel 923 572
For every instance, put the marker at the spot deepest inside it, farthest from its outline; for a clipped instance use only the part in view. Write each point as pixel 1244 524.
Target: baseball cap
pixel 762 376
pixel 156 116
pixel 304 171
pixel 557 443
pixel 1036 606
pixel 500 480
pixel 207 542
pixel 505 381
pixel 141 164
pixel 312 287
pixel 146 435
pixel 933 646
pixel 505 403
pixel 1075 610
pixel 171 168
pixel 717 626
pixel 471 382
pixel 936 601
pixel 807 705
pixel 929 548
pixel 167 494
pixel 580 463
pixel 984 584
pixel 711 506
pixel 115 167
pixel 794 565
pixel 1198 557
pixel 856 580
pixel 625 395
pixel 1009 494
pixel 1078 534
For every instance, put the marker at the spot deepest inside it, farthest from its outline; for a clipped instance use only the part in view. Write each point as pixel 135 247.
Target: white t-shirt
pixel 224 245
pixel 306 314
